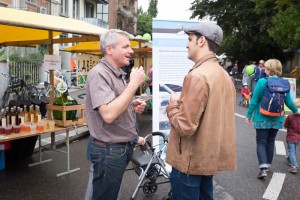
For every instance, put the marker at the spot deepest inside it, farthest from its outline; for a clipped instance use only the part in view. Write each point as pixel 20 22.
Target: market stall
pixel 23 28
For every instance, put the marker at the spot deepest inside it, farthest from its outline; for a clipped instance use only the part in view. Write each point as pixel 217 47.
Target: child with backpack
pixel 292 124
pixel 269 96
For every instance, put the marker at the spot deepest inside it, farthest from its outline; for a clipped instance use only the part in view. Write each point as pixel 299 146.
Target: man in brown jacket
pixel 202 138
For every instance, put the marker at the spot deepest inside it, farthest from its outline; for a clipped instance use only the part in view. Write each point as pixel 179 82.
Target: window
pixel 89 10
pixel 63 7
pixel 64 35
pixel 76 9
pixel 102 12
pixel 31 1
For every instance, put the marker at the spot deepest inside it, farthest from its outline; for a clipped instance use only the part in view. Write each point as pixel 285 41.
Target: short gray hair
pixel 110 38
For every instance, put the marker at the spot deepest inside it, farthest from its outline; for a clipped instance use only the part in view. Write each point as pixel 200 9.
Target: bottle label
pixel 3 121
pixel 31 118
pixel 13 120
pixel 39 117
pixel 26 117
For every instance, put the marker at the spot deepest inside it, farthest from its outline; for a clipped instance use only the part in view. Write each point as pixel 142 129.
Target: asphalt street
pixel 18 181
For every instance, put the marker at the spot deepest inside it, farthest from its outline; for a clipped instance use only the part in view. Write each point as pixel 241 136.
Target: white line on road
pixel 280 148
pixel 275 186
pixel 279 145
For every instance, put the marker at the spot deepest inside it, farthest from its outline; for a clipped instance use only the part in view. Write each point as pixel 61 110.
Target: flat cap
pixel 210 30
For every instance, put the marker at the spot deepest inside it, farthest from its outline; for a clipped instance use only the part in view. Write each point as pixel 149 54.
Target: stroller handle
pixel 157 133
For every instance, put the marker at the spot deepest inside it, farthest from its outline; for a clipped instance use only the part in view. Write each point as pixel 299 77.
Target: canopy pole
pixel 51 76
pixel 140 64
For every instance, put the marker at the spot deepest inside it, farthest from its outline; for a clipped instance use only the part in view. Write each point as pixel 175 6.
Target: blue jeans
pixel 109 164
pixel 191 187
pixel 265 144
pixel 292 152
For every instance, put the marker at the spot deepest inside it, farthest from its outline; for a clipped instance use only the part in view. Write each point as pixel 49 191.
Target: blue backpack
pixel 272 103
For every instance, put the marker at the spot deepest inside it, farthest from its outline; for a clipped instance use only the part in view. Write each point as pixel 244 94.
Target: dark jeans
pixel 265 143
pixel 109 166
pixel 191 187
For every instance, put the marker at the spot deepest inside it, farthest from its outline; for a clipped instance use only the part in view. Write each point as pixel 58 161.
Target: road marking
pixel 279 145
pixel 241 116
pixel 275 186
pixel 280 148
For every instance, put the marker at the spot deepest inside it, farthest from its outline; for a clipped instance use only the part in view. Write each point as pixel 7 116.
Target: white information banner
pixel 170 66
pixel 52 62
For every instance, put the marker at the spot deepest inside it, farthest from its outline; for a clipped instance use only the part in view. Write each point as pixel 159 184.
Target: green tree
pixel 285 29
pixel 144 23
pixel 152 9
pixel 245 32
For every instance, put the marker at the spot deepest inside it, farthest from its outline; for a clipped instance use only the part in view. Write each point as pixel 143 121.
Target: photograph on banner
pixel 84 64
pixel 292 82
pixel 170 66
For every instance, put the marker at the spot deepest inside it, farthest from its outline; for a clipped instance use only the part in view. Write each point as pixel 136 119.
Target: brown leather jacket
pixel 202 138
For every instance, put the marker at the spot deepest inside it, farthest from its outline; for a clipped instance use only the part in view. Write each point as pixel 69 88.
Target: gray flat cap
pixel 210 30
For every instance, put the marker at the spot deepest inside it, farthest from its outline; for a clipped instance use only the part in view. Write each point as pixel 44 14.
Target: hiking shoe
pixel 292 170
pixel 267 169
pixel 262 174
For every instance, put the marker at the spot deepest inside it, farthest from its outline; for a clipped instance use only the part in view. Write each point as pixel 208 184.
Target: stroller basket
pixel 149 165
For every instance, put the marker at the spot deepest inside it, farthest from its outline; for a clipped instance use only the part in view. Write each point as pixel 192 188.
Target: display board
pixel 170 65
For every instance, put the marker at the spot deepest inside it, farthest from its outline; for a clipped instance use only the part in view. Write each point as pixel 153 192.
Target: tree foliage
pixel 144 23
pixel 285 27
pixel 246 36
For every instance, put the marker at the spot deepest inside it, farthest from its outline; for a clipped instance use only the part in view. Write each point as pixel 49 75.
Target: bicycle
pixel 28 91
pixel 12 95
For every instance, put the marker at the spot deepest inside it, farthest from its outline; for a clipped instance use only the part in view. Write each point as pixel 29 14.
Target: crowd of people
pixel 110 114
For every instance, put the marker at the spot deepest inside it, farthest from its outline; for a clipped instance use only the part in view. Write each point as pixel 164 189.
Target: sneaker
pixel 267 169
pixel 292 170
pixel 262 174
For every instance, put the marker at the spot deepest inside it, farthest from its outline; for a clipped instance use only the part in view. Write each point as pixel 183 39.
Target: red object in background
pixel 7 145
pixel 72 64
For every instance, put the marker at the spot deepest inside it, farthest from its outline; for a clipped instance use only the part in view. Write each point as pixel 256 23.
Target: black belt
pixel 103 144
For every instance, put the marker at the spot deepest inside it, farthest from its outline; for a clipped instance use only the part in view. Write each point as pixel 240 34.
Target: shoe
pixel 267 169
pixel 292 170
pixel 262 174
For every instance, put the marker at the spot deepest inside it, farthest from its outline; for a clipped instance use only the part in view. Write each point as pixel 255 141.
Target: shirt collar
pixel 118 73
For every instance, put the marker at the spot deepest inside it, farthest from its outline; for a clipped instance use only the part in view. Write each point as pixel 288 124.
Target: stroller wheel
pixel 149 187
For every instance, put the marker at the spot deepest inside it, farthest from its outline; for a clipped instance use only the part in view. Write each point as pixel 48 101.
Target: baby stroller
pixel 149 165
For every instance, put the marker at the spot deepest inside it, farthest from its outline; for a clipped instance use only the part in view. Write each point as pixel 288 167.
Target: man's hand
pixel 137 76
pixel 138 105
pixel 248 121
pixel 141 141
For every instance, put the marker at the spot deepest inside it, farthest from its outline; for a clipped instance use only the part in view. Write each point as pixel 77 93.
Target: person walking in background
pixel 292 124
pixel 266 126
pixel 259 72
pixel 245 76
pixel 110 114
pixel 190 152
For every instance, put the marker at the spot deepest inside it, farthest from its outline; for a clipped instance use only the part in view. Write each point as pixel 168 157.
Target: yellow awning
pixel 18 28
pixel 94 47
